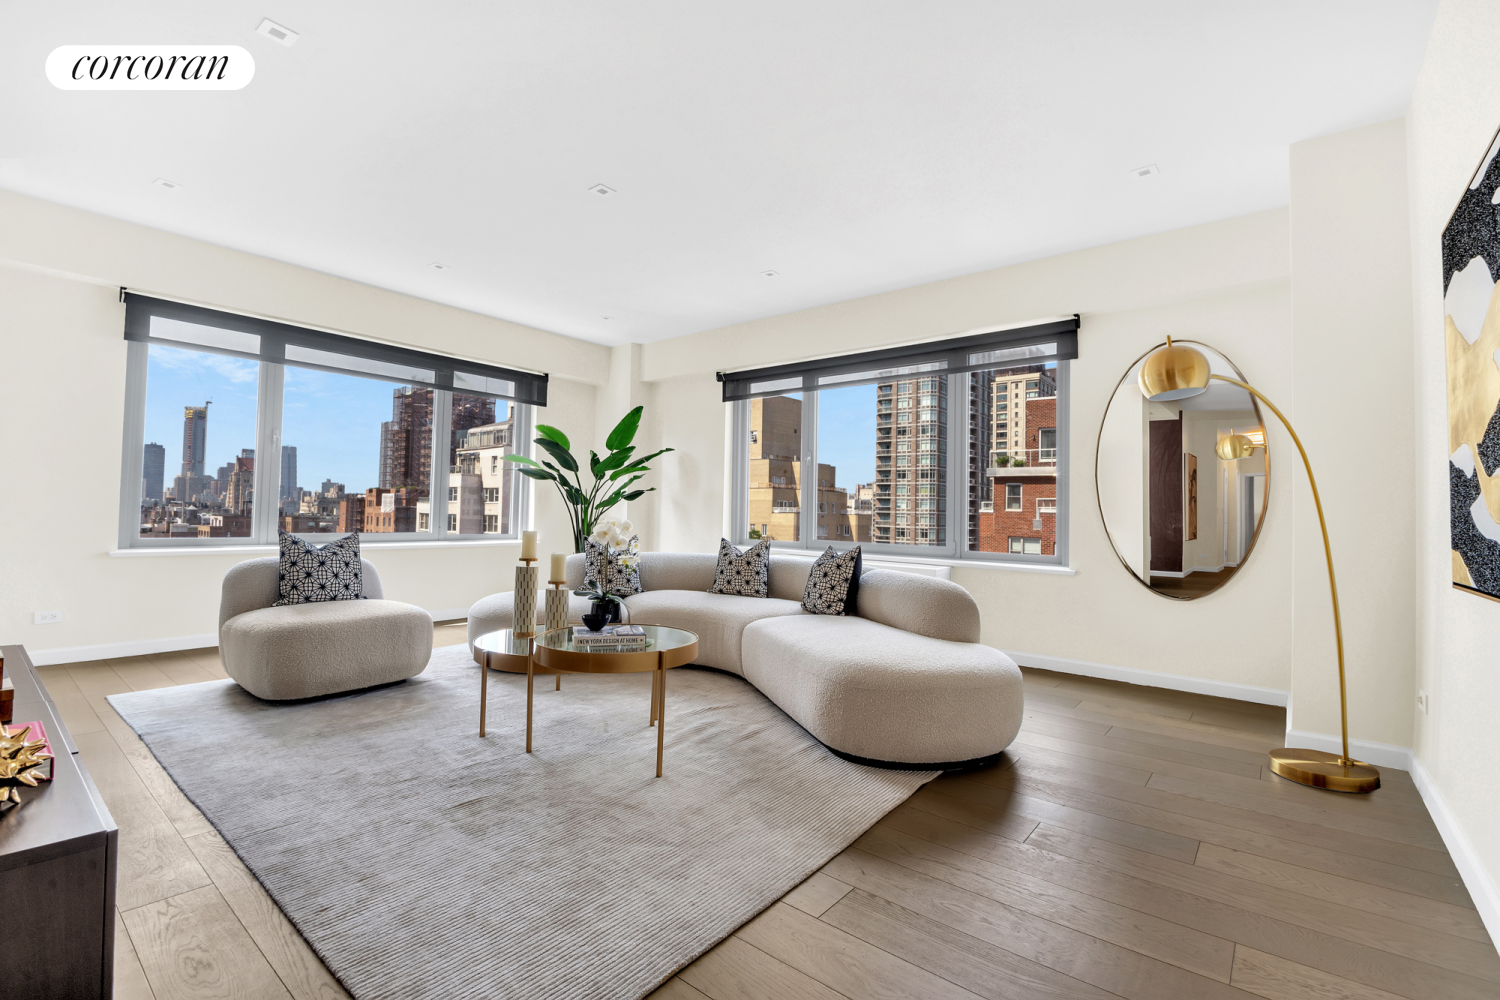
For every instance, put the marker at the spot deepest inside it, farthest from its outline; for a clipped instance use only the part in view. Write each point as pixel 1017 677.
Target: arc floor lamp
pixel 1177 372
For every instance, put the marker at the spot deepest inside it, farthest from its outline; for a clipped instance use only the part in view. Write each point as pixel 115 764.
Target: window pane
pixel 847 422
pixel 910 490
pixel 197 484
pixel 775 473
pixel 1013 459
pixel 360 453
pixel 483 483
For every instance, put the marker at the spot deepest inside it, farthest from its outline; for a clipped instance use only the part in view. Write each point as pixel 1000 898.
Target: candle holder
pixel 556 616
pixel 523 600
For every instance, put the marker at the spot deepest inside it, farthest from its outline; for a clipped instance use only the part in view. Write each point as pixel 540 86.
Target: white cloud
pixel 238 370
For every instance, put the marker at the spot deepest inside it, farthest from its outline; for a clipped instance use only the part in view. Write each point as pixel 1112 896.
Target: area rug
pixel 419 860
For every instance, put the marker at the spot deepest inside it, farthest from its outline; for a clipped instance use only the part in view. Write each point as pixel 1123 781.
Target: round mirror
pixel 1182 486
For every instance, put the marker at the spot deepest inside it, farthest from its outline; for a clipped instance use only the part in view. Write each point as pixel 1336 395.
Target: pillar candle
pixel 559 568
pixel 528 545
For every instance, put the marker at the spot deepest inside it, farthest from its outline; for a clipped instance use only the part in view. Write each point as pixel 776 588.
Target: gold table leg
pixel 530 671
pixel 484 689
pixel 661 721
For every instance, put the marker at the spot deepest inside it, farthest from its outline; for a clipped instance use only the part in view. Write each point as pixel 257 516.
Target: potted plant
pixel 613 475
pixel 615 536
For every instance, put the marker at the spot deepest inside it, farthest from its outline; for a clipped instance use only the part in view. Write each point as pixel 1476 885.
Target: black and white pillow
pixel 310 573
pixel 615 570
pixel 746 574
pixel 833 584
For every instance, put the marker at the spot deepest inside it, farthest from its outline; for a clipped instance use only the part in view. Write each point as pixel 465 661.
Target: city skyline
pixel 318 411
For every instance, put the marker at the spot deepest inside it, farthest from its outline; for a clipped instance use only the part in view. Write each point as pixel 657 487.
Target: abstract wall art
pixel 1471 304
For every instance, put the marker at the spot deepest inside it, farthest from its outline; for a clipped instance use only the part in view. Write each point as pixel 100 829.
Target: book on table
pixel 610 636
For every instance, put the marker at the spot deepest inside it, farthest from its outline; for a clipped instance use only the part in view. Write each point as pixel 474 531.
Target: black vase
pixel 594 621
pixel 609 609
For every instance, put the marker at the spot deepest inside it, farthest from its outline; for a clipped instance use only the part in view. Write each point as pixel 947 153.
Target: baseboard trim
pixel 1379 754
pixel 146 647
pixel 112 650
pixel 1477 880
pixel 1152 678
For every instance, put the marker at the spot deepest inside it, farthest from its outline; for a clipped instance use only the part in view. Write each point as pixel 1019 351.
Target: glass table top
pixel 658 637
pixel 504 641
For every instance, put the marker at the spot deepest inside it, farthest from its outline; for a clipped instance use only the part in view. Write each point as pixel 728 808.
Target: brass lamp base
pixel 1325 770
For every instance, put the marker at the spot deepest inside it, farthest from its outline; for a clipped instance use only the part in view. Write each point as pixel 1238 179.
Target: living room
pixel 1008 719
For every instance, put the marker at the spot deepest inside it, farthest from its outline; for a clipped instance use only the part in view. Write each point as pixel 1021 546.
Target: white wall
pixel 1352 405
pixel 1225 284
pixel 1454 112
pixel 62 409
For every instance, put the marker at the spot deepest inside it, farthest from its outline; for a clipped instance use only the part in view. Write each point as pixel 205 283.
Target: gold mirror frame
pixel 1265 504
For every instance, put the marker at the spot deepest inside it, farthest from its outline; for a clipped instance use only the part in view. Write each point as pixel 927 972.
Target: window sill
pixel 1007 565
pixel 246 551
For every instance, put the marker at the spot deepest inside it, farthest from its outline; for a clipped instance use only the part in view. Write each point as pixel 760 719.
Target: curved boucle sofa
pixel 904 683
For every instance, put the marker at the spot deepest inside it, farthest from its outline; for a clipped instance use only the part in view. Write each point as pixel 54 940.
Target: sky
pixel 332 420
pixel 846 434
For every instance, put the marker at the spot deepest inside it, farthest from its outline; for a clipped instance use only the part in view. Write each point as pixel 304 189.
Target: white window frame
pixel 955 546
pixel 265 518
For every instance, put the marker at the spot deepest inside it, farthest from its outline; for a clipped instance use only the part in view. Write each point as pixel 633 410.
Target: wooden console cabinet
pixel 57 868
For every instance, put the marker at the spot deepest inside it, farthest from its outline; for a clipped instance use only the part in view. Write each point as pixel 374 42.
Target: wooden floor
pixel 1192 585
pixel 1130 845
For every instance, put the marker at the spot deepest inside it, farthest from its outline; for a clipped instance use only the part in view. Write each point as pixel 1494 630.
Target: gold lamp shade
pixel 1235 447
pixel 1174 372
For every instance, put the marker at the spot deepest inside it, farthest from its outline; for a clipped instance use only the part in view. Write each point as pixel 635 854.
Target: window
pixel 227 438
pixel 491 523
pixel 491 495
pixel 1027 546
pixel 951 469
pixel 1046 505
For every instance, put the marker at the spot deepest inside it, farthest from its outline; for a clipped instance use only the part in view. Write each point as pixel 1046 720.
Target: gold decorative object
pixel 18 759
pixel 1177 372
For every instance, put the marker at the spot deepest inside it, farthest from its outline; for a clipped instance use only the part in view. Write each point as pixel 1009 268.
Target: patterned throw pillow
pixel 833 584
pixel 602 566
pixel 746 574
pixel 311 573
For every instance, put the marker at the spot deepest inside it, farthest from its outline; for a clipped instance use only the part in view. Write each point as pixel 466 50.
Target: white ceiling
pixel 853 147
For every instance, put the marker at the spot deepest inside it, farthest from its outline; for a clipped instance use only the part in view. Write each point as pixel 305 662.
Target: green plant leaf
pixel 538 474
pixel 624 431
pixel 639 465
pixel 615 460
pixel 575 495
pixel 553 434
pixel 562 454
pixel 637 494
pixel 594 463
pixel 522 459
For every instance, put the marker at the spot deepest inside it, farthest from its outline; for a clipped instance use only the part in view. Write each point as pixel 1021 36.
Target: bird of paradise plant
pixel 613 475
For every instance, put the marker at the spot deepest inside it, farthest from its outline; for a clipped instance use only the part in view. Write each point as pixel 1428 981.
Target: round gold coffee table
pixel 502 650
pixel 665 648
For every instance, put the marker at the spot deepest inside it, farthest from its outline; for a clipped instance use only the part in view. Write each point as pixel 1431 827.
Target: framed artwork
pixel 1192 497
pixel 1471 263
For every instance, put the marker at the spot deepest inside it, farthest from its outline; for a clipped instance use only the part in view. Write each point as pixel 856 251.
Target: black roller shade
pixel 1055 340
pixel 199 329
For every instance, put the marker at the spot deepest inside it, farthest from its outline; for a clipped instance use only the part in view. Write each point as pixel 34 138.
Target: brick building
pixel 1022 517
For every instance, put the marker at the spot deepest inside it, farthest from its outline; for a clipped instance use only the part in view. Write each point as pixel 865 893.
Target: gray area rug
pixel 422 861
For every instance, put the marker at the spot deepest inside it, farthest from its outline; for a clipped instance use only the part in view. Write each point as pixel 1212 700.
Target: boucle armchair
pixel 320 648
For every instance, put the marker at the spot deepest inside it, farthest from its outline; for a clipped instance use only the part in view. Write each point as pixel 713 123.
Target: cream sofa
pixel 906 682
pixel 324 647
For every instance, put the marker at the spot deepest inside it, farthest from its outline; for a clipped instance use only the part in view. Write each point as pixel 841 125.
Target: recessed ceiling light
pixel 602 189
pixel 162 182
pixel 604 317
pixel 1149 170
pixel 277 33
pixel 438 267
pixel 770 274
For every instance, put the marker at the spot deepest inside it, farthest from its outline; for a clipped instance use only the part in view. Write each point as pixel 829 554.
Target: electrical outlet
pixel 1422 701
pixel 48 617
